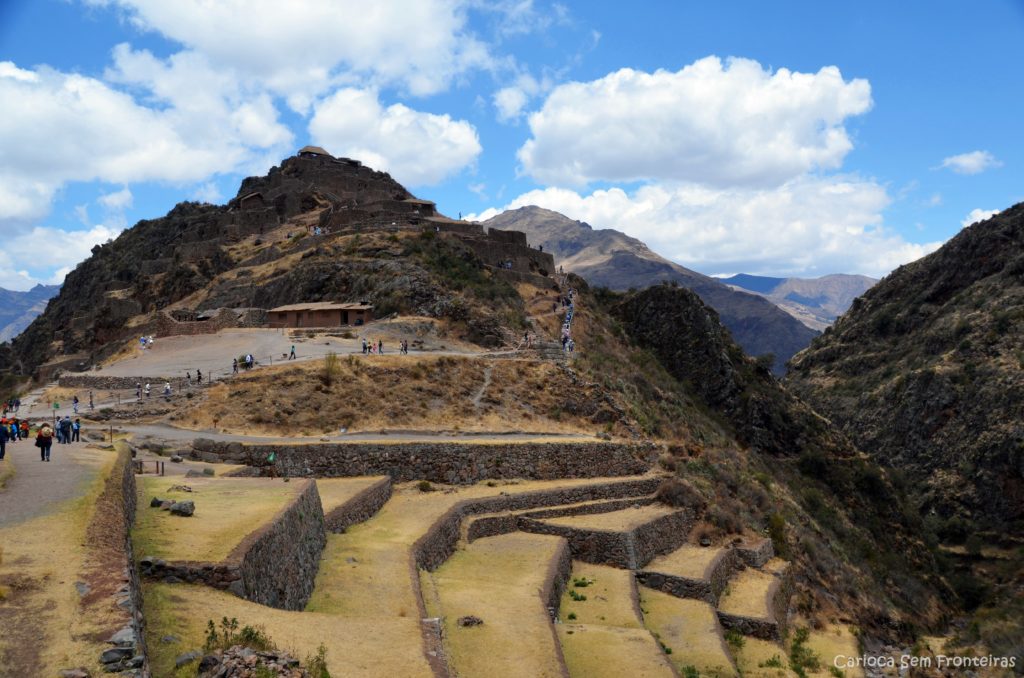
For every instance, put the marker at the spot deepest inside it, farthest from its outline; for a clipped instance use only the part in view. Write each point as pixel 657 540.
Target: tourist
pixel 65 430
pixel 146 390
pixel 76 429
pixel 138 391
pixel 3 442
pixel 44 441
pixel 74 404
pixel 199 377
pixel 380 347
pixel 291 356
pixel 91 406
pixel 234 366
pixel 188 378
pixel 24 429
pixel 167 390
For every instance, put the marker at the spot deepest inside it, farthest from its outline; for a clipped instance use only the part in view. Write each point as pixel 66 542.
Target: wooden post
pixel 111 433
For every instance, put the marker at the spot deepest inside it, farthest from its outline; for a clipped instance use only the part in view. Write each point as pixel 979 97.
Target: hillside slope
pixel 816 302
pixel 925 373
pixel 609 258
pixel 19 309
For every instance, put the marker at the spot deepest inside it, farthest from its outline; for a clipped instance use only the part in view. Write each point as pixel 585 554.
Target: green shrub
pixel 316 665
pixel 801 657
pixel 690 671
pixel 424 486
pixel 229 634
pixel 735 639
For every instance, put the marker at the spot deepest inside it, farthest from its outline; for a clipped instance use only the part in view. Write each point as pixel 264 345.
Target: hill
pixel 816 302
pixel 609 258
pixel 19 309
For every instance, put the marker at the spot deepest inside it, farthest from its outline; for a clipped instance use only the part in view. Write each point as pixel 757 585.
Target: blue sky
pixel 797 138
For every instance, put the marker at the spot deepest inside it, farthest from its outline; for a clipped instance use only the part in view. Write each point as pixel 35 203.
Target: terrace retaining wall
pixel 628 549
pixel 447 462
pixel 359 508
pixel 772 627
pixel 275 566
pixel 707 588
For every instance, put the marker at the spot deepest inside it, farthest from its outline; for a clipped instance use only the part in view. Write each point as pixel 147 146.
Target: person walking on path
pixel 291 356
pixel 234 366
pixel 74 404
pixel 44 441
pixel 167 391
pixel 76 429
pixel 199 377
pixel 3 442
pixel 65 430
pixel 146 390
pixel 188 378
pixel 138 391
pixel 380 346
pixel 91 405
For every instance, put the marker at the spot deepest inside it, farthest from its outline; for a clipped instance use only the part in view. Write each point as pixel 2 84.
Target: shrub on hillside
pixel 681 494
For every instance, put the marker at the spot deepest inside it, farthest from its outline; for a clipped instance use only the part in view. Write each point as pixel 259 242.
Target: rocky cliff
pixel 926 374
pixel 609 258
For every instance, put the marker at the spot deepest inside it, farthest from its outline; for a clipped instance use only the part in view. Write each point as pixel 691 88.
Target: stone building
pixel 320 314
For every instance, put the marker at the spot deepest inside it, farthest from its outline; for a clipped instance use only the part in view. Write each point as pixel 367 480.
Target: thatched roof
pixel 314 149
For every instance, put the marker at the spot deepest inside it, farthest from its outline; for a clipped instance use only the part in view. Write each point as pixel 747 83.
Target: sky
pixel 782 139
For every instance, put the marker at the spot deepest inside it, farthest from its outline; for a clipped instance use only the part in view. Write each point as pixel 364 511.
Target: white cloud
pixel 302 48
pixel 976 215
pixel 510 102
pixel 208 192
pixel 808 226
pixel 417 148
pixel 61 127
pixel 721 124
pixel 974 162
pixel 58 250
pixel 118 200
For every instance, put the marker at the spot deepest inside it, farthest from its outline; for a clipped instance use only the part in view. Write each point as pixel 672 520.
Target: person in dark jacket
pixel 3 441
pixel 44 441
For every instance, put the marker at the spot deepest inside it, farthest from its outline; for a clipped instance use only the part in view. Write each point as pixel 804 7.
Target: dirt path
pixel 483 387
pixel 38 486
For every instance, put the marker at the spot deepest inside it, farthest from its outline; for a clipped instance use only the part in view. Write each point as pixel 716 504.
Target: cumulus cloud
pixel 118 200
pixel 417 148
pixel 976 215
pixel 62 127
pixel 974 162
pixel 53 252
pixel 302 48
pixel 807 226
pixel 731 123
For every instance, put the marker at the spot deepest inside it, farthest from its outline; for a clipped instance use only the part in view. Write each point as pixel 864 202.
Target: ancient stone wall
pixel 628 549
pixel 772 627
pixel 756 553
pixel 439 542
pixel 275 566
pixel 114 383
pixel 707 588
pixel 359 508
pixel 281 560
pixel 445 462
pixel 166 326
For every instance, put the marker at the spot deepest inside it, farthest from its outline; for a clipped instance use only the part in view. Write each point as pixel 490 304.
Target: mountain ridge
pixel 610 258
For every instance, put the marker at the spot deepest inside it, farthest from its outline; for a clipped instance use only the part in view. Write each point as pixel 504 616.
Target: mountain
pixel 816 302
pixel 19 309
pixel 926 373
pixel 609 258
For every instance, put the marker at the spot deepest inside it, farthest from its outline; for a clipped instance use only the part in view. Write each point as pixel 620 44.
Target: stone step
pixel 490 524
pixel 756 601
pixel 692 572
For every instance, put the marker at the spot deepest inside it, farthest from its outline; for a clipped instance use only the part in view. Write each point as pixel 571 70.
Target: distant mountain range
pixel 610 258
pixel 816 302
pixel 19 309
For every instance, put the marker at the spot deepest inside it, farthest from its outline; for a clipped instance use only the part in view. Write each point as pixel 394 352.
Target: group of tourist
pixel 14 429
pixel 146 342
pixel 12 405
pixel 568 345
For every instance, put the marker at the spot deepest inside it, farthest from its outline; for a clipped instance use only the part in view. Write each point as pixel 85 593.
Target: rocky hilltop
pixel 816 302
pixel 610 258
pixel 925 374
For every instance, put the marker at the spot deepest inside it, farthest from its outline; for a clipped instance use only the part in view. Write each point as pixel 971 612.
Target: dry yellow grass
pixel 747 593
pixel 613 521
pixel 367 567
pixel 46 556
pixel 609 597
pixel 686 561
pixel 832 641
pixel 755 653
pixel 690 629
pixel 227 509
pixel 597 651
pixel 370 647
pixel 6 473
pixel 336 491
pixel 415 392
pixel 498 579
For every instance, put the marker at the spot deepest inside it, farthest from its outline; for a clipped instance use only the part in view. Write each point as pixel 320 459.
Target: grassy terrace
pixel 369 647
pixel 758 658
pixel 609 597
pixel 606 636
pixel 367 568
pixel 614 521
pixel 687 561
pixel 747 593
pixel 336 491
pixel 497 579
pixel 597 651
pixel 690 629
pixel 227 509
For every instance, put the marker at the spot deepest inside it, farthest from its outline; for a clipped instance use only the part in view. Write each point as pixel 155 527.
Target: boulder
pixel 156 502
pixel 176 458
pixel 183 508
pixel 187 658
pixel 470 620
pixel 204 445
pixel 80 672
pixel 209 457
pixel 115 655
pixel 125 636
